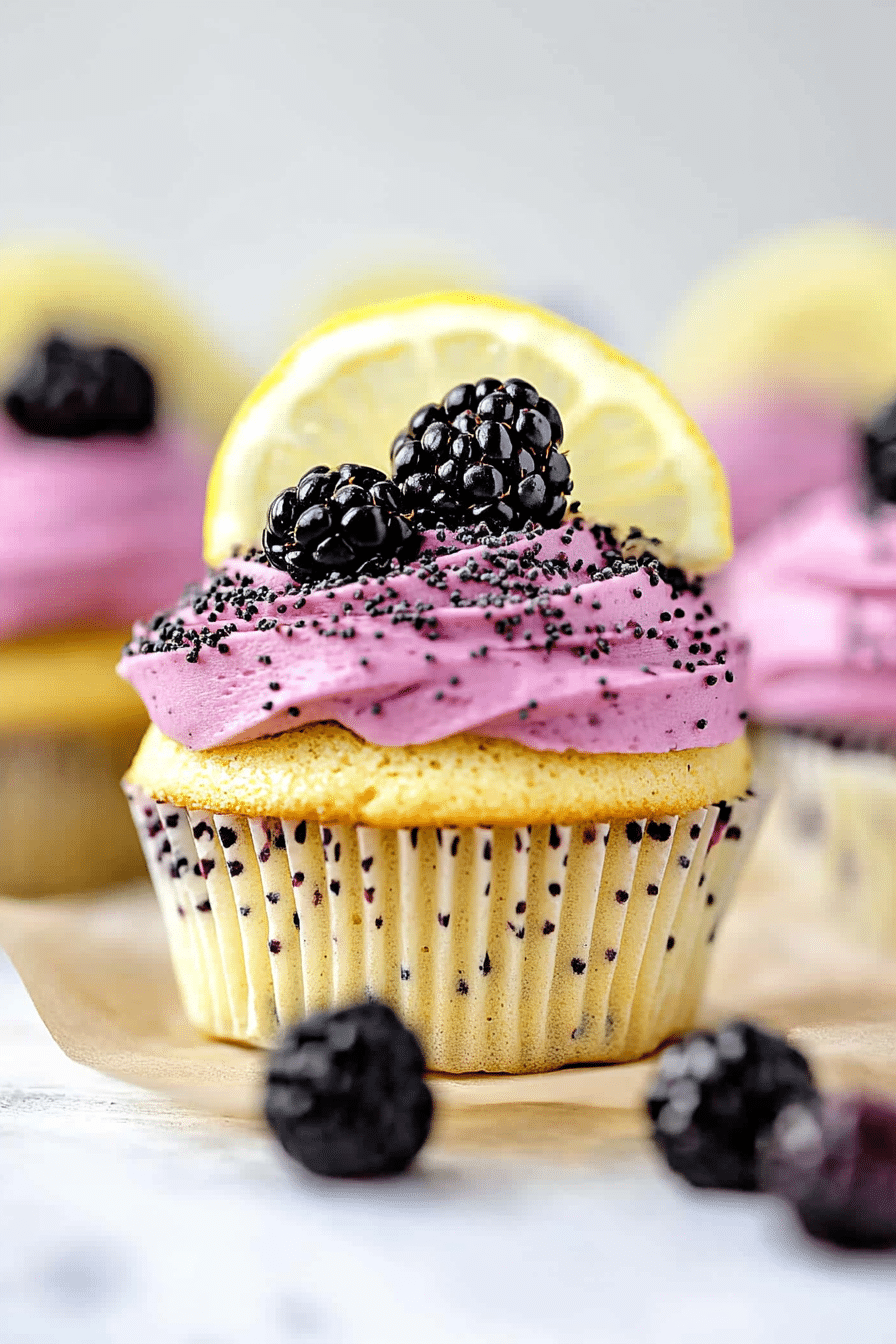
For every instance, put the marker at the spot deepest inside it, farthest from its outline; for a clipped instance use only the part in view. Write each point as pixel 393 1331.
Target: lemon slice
pixel 815 311
pixel 360 282
pixel 344 392
pixel 89 294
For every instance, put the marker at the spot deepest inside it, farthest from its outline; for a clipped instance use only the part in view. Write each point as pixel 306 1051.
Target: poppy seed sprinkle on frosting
pixel 510 617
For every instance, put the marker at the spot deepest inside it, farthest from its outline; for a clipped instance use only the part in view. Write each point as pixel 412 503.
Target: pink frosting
pixel 815 592
pixel 532 638
pixel 774 451
pixel 95 531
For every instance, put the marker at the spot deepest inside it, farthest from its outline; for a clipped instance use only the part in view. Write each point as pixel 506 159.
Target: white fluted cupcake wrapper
pixel 828 842
pixel 505 950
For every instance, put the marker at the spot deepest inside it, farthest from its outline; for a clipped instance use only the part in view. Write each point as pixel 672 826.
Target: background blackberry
pixel 347 521
pixel 70 391
pixel 836 1164
pixel 880 453
pixel 490 451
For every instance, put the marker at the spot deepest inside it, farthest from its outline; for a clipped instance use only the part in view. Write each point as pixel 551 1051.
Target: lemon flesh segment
pixel 345 391
pixel 813 312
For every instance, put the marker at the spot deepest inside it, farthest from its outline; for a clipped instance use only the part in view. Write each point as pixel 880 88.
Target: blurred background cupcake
pixel 113 402
pixel 786 358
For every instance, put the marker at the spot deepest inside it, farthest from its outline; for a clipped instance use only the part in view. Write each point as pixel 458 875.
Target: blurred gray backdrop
pixel 596 154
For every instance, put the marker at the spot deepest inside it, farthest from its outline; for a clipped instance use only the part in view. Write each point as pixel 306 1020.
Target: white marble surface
pixel 122 1218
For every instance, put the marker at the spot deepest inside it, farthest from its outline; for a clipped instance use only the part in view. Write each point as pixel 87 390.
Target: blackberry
pixel 836 1164
pixel 715 1097
pixel 879 440
pixel 71 391
pixel 346 1094
pixel 347 521
pixel 490 451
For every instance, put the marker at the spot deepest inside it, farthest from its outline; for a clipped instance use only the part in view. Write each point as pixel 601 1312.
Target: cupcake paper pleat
pixel 828 838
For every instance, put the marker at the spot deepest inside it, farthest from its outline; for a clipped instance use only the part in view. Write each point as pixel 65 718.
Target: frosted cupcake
pixel 103 464
pixel 438 740
pixel 782 355
pixel 815 590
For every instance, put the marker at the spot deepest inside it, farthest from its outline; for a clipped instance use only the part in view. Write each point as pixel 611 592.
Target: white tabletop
pixel 123 1218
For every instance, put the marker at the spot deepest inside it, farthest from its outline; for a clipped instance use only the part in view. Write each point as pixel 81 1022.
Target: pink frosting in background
pixel 522 660
pixel 94 532
pixel 815 593
pixel 775 450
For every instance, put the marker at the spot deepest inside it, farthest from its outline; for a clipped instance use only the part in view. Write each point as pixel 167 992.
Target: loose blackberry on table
pixel 836 1164
pixel 490 452
pixel 71 391
pixel 715 1097
pixel 346 1094
pixel 347 521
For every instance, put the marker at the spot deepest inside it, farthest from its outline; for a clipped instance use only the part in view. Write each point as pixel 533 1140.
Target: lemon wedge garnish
pixel 812 312
pixel 343 393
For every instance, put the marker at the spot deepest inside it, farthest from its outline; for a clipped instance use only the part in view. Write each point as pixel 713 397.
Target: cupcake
pixel 804 348
pixel 111 406
pixel 815 591
pixel 436 736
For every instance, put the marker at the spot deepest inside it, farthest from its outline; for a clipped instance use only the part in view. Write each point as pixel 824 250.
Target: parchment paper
pixel 97 970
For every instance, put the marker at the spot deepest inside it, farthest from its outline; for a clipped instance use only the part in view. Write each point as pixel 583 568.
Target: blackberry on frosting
pixel 488 455
pixel 347 521
pixel 489 452
pixel 71 391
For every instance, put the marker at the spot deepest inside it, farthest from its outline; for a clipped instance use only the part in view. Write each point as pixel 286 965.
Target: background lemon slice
pixel 352 281
pixel 344 391
pixel 86 293
pixel 813 311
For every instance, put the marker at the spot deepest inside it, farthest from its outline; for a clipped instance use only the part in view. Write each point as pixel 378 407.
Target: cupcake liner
pixel 828 840
pixel 506 950
pixel 857 738
pixel 64 825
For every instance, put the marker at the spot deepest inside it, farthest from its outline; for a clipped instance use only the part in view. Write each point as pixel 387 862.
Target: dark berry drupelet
pixel 836 1164
pixel 347 521
pixel 70 391
pixel 346 1094
pixel 880 454
pixel 715 1096
pixel 490 451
